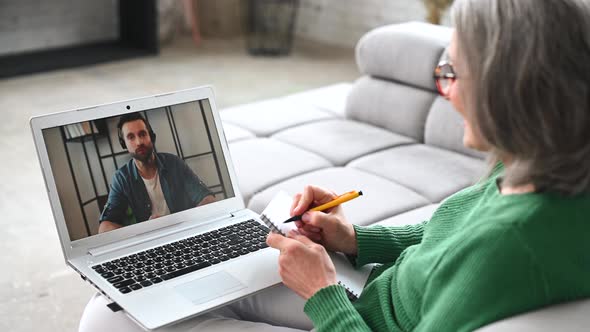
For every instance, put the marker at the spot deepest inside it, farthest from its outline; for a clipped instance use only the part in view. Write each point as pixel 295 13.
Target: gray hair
pixel 528 65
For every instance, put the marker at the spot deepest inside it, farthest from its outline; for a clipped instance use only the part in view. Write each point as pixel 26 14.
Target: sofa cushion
pixel 444 129
pixel 331 98
pixel 267 117
pixel 405 53
pixel 411 217
pixel 262 162
pixel 396 107
pixel 340 141
pixel 234 133
pixel 433 173
pixel 381 198
pixel 571 317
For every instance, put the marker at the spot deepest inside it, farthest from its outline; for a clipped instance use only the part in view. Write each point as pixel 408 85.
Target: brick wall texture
pixel 343 22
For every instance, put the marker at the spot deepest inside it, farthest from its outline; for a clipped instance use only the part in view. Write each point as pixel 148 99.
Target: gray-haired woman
pixel 518 73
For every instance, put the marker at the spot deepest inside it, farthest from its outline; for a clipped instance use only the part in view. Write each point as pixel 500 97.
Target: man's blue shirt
pixel 128 200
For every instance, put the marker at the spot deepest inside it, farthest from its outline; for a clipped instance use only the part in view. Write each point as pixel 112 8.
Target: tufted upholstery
pixel 387 133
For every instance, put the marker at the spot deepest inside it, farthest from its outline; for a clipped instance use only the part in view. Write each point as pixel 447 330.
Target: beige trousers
pixel 276 309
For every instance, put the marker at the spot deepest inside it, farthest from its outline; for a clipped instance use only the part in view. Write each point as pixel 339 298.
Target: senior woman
pixel 519 75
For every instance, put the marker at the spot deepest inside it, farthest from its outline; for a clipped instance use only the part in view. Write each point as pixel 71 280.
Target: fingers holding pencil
pixel 311 196
pixel 328 227
pixel 325 207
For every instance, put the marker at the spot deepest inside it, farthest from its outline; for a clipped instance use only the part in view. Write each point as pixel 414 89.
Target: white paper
pixel 278 211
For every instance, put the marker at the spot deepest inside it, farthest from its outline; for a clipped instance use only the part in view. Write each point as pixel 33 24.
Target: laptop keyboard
pixel 152 266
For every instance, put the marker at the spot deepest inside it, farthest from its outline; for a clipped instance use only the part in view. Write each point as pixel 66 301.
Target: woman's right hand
pixel 329 228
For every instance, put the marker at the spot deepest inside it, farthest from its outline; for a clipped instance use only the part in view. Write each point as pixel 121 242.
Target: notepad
pixel 353 280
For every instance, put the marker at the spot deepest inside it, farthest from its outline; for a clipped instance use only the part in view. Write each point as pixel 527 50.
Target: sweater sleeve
pixel 330 310
pixel 383 244
pixel 481 281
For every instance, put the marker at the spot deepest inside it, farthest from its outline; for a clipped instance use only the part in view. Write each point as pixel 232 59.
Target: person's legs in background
pixel 191 16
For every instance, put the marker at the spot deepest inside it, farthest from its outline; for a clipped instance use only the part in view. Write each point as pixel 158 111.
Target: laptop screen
pixel 123 170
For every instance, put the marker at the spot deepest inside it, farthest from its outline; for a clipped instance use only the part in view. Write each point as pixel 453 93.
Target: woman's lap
pixel 276 309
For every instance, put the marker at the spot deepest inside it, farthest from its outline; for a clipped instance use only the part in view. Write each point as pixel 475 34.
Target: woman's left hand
pixel 304 265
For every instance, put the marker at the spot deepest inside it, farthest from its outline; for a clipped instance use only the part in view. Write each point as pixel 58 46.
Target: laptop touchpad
pixel 210 287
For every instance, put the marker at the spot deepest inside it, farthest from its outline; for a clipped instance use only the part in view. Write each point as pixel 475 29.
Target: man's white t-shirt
pixel 154 189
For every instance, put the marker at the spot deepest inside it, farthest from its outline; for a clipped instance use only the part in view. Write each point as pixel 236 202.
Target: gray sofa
pixel 388 134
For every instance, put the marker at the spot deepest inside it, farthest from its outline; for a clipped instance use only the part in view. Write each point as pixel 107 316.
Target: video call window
pixel 123 170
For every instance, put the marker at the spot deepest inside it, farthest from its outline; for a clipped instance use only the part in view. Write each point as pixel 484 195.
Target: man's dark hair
pixel 129 118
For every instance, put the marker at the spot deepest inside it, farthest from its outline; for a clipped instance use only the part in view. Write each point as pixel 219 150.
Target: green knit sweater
pixel 482 257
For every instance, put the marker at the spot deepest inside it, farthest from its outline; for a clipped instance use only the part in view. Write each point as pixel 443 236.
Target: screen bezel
pixel 77 248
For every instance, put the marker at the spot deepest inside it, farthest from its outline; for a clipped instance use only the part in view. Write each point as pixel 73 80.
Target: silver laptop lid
pixel 83 157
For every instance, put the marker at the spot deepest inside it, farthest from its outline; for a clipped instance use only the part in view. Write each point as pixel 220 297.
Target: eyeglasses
pixel 444 76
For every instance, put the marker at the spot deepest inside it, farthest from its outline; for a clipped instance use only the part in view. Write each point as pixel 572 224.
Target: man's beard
pixel 144 158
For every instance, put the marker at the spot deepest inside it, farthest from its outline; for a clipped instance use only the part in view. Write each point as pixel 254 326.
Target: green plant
pixel 435 9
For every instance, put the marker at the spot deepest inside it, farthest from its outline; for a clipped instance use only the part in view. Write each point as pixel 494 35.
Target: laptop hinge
pixel 150 236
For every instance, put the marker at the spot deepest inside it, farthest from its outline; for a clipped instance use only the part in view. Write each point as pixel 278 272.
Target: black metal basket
pixel 270 26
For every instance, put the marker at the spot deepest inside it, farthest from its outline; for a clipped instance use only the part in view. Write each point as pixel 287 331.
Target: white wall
pixel 343 22
pixel 27 25
pixel 64 183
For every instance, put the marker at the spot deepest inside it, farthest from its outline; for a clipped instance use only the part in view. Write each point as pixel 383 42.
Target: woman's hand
pixel 329 228
pixel 304 266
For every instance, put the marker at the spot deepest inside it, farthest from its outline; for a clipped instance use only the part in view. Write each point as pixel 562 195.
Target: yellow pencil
pixel 335 202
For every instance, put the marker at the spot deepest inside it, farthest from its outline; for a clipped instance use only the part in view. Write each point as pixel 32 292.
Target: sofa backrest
pixel 444 128
pixel 397 90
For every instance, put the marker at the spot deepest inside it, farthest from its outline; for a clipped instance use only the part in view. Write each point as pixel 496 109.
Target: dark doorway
pixel 138 36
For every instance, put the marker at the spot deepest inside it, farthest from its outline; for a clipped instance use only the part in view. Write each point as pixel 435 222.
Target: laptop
pixel 205 251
